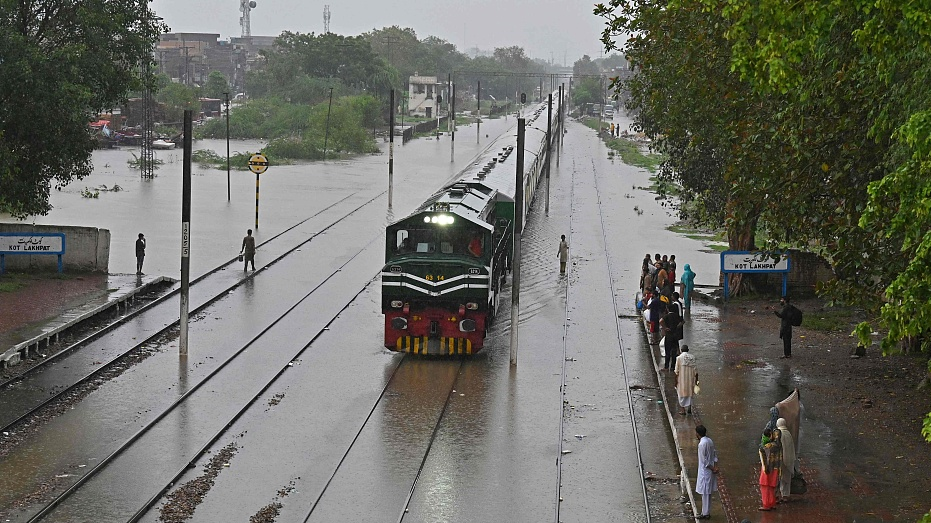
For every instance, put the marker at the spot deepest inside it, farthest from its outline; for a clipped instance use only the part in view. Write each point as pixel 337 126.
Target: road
pixel 287 365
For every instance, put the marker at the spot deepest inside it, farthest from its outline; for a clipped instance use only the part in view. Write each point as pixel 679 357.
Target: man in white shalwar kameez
pixel 707 481
pixel 686 379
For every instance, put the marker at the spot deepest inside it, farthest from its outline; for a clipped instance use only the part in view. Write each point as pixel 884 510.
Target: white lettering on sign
pixel 15 243
pixel 186 239
pixel 754 261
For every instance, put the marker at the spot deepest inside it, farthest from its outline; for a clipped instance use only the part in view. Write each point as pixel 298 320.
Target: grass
pixel 10 283
pixel 828 320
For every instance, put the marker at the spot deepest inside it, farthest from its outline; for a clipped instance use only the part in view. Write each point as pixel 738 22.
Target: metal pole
pixel 326 134
pixel 518 228
pixel 559 128
pixel 449 122
pixel 549 148
pixel 227 96
pixel 391 151
pixel 452 126
pixel 478 126
pixel 256 201
pixel 185 232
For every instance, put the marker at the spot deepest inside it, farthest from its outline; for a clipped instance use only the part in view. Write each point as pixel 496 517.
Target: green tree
pixel 888 56
pixel 177 98
pixel 585 67
pixel 216 85
pixel 62 62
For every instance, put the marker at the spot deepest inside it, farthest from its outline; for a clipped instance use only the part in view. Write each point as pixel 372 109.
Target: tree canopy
pixel 62 62
pixel 808 121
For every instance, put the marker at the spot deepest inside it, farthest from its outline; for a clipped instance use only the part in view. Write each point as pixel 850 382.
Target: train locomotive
pixel 446 262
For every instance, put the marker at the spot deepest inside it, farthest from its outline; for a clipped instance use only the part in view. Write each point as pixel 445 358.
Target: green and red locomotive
pixel 446 262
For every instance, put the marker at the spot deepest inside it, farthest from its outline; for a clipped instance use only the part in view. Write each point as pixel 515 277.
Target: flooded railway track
pixel 134 444
pixel 15 414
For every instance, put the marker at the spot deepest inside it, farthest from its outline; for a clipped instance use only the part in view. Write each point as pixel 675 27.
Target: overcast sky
pixel 563 30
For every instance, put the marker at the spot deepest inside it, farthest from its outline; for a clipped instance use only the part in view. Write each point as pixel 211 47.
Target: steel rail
pixel 45 511
pixel 356 437
pixel 426 454
pixel 117 359
pixel 562 377
pixel 123 319
pixel 620 341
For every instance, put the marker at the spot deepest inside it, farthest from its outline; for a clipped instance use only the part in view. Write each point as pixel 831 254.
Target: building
pixel 424 96
pixel 189 58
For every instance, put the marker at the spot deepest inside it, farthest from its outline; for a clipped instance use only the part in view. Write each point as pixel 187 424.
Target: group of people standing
pixel 778 461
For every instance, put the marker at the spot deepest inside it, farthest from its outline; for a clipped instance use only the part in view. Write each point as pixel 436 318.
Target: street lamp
pixel 226 96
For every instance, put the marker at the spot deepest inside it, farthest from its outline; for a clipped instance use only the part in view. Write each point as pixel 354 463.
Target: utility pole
pixel 549 149
pixel 452 127
pixel 478 126
pixel 518 228
pixel 391 151
pixel 326 134
pixel 226 101
pixel 185 234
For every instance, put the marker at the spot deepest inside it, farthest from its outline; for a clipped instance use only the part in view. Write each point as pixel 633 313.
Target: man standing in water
pixel 563 254
pixel 248 250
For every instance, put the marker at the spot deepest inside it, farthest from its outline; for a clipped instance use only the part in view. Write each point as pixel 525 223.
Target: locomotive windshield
pixel 441 241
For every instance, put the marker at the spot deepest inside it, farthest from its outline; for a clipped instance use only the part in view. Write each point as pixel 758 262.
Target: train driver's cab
pixel 439 242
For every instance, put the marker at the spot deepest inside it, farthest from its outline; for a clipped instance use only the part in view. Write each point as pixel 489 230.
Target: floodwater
pixel 341 436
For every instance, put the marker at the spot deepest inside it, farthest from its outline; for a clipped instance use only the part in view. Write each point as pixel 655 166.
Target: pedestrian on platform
pixel 248 250
pixel 686 379
pixel 770 467
pixel 671 268
pixel 788 460
pixel 672 330
pixel 563 254
pixel 707 480
pixel 140 253
pixel 688 283
pixel 785 326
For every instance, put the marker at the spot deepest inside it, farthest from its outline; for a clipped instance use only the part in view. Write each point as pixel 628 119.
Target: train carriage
pixel 445 263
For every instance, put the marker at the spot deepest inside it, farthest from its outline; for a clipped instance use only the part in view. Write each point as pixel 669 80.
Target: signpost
pixel 258 164
pixel 31 243
pixel 755 262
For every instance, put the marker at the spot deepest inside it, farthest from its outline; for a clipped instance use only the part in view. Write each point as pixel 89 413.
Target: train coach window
pixel 424 247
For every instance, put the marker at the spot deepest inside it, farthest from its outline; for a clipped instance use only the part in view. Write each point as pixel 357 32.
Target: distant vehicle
pixel 162 144
pixel 609 111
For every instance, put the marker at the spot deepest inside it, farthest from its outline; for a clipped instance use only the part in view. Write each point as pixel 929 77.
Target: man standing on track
pixel 563 254
pixel 248 249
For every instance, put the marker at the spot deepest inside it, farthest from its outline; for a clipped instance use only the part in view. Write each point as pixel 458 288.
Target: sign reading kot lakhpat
pixel 759 261
pixel 12 243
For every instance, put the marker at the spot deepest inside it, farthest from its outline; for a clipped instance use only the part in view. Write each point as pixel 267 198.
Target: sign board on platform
pixel 258 163
pixel 37 243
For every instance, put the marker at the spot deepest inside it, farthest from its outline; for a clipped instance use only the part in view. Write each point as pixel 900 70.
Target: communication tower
pixel 246 6
pixel 326 19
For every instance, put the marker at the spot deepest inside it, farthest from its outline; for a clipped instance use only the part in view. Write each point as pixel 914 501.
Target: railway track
pixel 135 443
pixel 18 413
pixel 620 342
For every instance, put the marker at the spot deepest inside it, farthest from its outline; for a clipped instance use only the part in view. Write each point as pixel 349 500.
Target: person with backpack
pixel 789 316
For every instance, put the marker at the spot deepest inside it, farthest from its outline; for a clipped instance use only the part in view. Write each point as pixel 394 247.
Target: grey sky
pixel 544 28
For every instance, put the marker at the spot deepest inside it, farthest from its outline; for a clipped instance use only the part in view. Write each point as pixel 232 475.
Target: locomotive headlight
pixel 399 323
pixel 439 219
pixel 467 325
pixel 397 304
pixel 472 306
